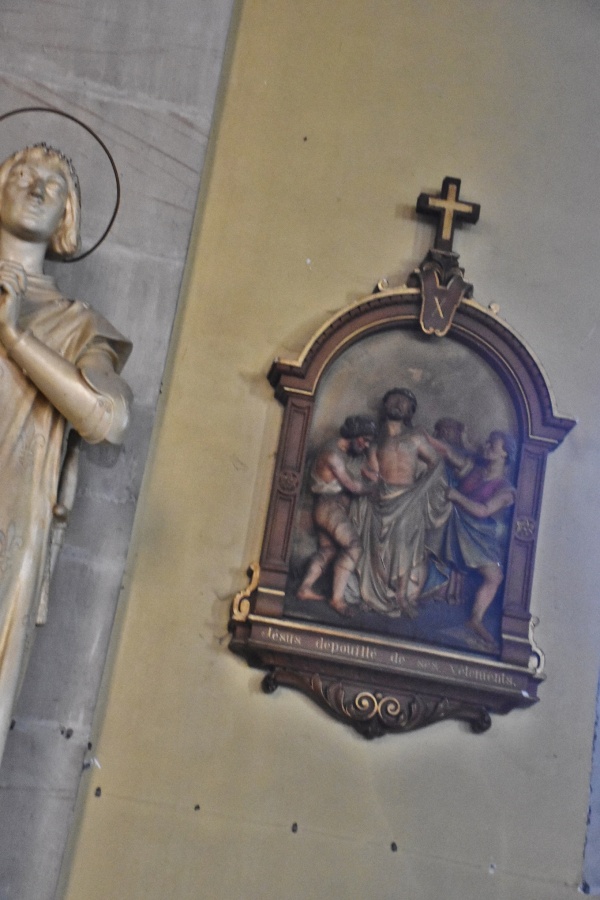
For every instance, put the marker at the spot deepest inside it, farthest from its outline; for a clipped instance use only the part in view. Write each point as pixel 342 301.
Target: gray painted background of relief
pixel 145 77
pixel 447 378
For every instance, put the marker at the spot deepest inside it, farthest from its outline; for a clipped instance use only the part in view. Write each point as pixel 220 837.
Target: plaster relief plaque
pixel 395 576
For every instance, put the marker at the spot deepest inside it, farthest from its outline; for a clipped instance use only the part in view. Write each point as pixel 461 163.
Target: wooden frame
pixel 371 672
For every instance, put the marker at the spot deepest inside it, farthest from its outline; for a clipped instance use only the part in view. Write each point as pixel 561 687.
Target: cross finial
pixel 448 210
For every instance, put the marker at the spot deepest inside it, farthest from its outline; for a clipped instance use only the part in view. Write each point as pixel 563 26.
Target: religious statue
pixel 59 365
pixel 404 516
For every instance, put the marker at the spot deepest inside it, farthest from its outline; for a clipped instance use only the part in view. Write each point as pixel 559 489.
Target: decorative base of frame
pixel 379 685
pixel 374 713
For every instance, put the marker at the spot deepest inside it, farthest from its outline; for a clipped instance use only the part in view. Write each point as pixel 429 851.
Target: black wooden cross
pixel 448 209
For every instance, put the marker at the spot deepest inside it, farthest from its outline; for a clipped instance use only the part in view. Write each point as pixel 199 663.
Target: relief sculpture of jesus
pixel 418 550
pixel 393 523
pixel 59 365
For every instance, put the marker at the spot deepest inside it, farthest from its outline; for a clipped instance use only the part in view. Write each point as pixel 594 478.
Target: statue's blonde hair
pixel 65 241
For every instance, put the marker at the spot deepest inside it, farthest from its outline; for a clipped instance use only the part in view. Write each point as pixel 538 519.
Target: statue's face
pixel 398 408
pixel 494 450
pixel 34 198
pixel 360 445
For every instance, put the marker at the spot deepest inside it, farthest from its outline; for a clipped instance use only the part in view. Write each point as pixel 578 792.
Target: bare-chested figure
pixel 401 453
pixel 410 500
pixel 333 485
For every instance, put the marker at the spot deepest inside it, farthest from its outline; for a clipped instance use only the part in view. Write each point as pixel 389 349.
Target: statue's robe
pixel 468 542
pixel 393 525
pixel 32 439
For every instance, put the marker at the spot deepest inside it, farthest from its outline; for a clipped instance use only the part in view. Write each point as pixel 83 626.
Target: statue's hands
pixel 13 283
pixel 440 446
pixel 452 494
pixel 370 474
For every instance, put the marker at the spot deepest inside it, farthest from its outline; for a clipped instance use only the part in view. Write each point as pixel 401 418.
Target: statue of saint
pixel 59 365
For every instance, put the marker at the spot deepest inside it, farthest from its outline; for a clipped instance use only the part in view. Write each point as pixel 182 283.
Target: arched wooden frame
pixel 296 384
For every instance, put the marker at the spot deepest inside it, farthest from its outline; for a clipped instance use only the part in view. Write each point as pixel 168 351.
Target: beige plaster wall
pixel 335 117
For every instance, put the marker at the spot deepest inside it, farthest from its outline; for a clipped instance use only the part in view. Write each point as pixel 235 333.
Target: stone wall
pixel 145 77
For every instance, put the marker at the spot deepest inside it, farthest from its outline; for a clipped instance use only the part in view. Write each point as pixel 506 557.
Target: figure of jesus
pixel 59 365
pixel 392 523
